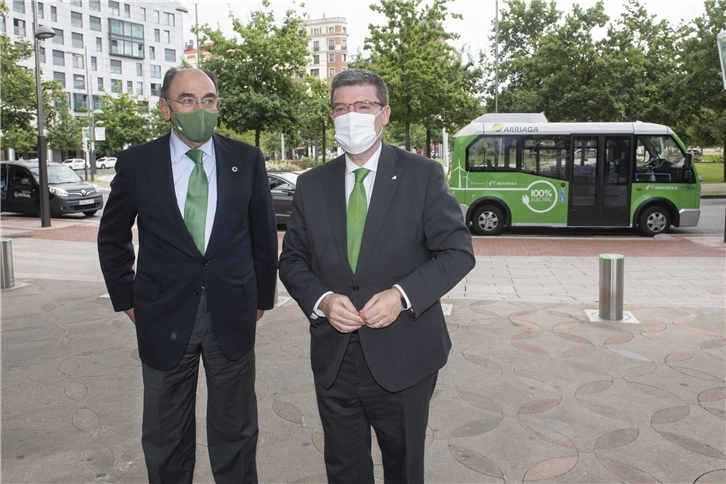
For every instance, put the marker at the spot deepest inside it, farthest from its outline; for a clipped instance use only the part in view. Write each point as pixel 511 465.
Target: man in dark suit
pixel 367 256
pixel 205 273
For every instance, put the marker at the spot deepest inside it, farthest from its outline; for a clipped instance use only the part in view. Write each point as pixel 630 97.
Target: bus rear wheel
pixel 488 220
pixel 654 221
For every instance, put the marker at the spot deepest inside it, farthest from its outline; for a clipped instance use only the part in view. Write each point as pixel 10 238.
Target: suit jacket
pixel 238 270
pixel 414 236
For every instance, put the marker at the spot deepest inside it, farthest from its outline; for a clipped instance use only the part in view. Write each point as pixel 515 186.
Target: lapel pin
pixel 234 169
pixel 393 177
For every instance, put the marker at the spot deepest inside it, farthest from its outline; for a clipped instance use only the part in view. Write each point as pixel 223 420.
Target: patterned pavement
pixel 533 391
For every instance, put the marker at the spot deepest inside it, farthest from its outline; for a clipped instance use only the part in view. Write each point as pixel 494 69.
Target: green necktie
pixel 357 209
pixel 195 207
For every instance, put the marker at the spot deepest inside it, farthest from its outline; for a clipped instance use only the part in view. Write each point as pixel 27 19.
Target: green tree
pixel 316 125
pixel 410 52
pixel 19 96
pixel 124 121
pixel 157 124
pixel 256 73
pixel 65 134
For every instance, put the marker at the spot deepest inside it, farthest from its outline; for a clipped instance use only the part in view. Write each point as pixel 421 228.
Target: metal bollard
pixel 6 264
pixel 612 278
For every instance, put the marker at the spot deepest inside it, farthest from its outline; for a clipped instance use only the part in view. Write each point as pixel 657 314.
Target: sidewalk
pixel 532 391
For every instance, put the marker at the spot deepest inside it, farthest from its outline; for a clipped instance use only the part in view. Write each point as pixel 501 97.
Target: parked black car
pixel 282 186
pixel 20 188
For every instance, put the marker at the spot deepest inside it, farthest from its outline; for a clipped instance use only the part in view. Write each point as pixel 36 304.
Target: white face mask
pixel 356 132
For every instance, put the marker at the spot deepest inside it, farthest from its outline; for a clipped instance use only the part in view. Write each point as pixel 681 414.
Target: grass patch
pixel 710 172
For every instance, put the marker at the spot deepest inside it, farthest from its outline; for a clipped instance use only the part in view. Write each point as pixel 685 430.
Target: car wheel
pixel 103 167
pixel 654 221
pixel 488 220
pixel 90 213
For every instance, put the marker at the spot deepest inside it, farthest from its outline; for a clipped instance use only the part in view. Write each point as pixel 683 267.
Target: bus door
pixel 600 177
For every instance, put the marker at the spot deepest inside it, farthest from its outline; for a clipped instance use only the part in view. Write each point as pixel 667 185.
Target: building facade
pixel 328 47
pixel 102 46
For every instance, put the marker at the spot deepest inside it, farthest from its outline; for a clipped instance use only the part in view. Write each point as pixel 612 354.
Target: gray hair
pixel 171 74
pixel 360 77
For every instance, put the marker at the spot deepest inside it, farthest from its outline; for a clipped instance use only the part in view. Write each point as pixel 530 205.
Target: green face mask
pixel 196 126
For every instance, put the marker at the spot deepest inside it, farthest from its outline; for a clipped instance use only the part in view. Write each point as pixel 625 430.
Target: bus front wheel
pixel 654 221
pixel 488 220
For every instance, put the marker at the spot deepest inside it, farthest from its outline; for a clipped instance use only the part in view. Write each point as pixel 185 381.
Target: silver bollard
pixel 6 264
pixel 612 279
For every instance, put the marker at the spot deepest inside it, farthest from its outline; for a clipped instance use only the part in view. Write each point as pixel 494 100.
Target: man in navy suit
pixel 205 273
pixel 375 239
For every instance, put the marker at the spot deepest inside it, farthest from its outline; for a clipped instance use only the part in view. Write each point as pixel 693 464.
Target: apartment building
pixel 102 45
pixel 328 47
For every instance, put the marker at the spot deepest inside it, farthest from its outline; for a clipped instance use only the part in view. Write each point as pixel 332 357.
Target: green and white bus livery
pixel 517 169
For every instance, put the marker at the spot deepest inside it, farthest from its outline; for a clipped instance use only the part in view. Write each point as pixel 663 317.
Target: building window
pixel 114 8
pixel 331 57
pixel 152 52
pixel 157 35
pixel 77 3
pixel 139 69
pixel 42 55
pixel 126 38
pixel 53 14
pixel 315 72
pixel 139 88
pixel 167 37
pixel 154 71
pixel 19 6
pixel 127 10
pixel 79 102
pixel 331 29
pixel 77 40
pixel 19 27
pixel 60 77
pixel 316 31
pixel 99 44
pixel 331 44
pixel 58 39
pixel 79 82
pixel 142 14
pixel 76 19
pixel 343 44
pixel 316 45
pixel 95 5
pixel 316 59
pixel 155 89
pixel 94 64
pixel 97 102
pixel 115 66
pixel 156 16
pixel 59 58
pixel 78 61
pixel 169 19
pixel 169 55
pixel 116 86
pixel 99 84
pixel 331 72
pixel 129 86
pixel 95 23
pixel 40 10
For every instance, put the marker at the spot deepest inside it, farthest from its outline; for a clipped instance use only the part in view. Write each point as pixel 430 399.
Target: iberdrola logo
pixel 650 187
pixel 497 127
pixel 492 183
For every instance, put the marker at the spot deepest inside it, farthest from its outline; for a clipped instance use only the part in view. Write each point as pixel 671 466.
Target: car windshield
pixel 57 174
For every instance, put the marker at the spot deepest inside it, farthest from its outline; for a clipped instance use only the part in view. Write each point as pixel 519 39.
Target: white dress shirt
pixel 182 166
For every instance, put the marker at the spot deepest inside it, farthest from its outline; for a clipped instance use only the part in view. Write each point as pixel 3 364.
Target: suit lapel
pixel 335 206
pixel 225 189
pixel 158 172
pixel 384 188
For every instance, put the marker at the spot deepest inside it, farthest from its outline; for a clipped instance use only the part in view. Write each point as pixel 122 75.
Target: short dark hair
pixel 360 77
pixel 171 74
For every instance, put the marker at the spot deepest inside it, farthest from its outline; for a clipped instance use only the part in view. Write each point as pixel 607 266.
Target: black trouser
pixel 169 424
pixel 356 402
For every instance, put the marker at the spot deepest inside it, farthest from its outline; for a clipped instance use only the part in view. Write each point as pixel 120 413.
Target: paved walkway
pixel 533 391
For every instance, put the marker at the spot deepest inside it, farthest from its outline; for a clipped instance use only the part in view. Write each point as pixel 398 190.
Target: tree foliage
pixel 65 134
pixel 124 120
pixel 256 69
pixel 424 73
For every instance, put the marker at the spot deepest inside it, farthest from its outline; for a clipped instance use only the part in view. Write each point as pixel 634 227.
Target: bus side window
pixel 659 159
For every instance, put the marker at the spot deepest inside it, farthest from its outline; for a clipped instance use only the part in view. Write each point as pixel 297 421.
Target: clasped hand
pixel 380 311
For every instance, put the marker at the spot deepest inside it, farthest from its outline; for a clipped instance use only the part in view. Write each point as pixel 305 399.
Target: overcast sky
pixel 473 29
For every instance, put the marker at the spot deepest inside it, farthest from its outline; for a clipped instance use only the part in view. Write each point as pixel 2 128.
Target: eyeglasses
pixel 365 107
pixel 189 103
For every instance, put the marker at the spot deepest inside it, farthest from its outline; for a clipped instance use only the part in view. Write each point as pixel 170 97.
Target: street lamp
pixel 41 34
